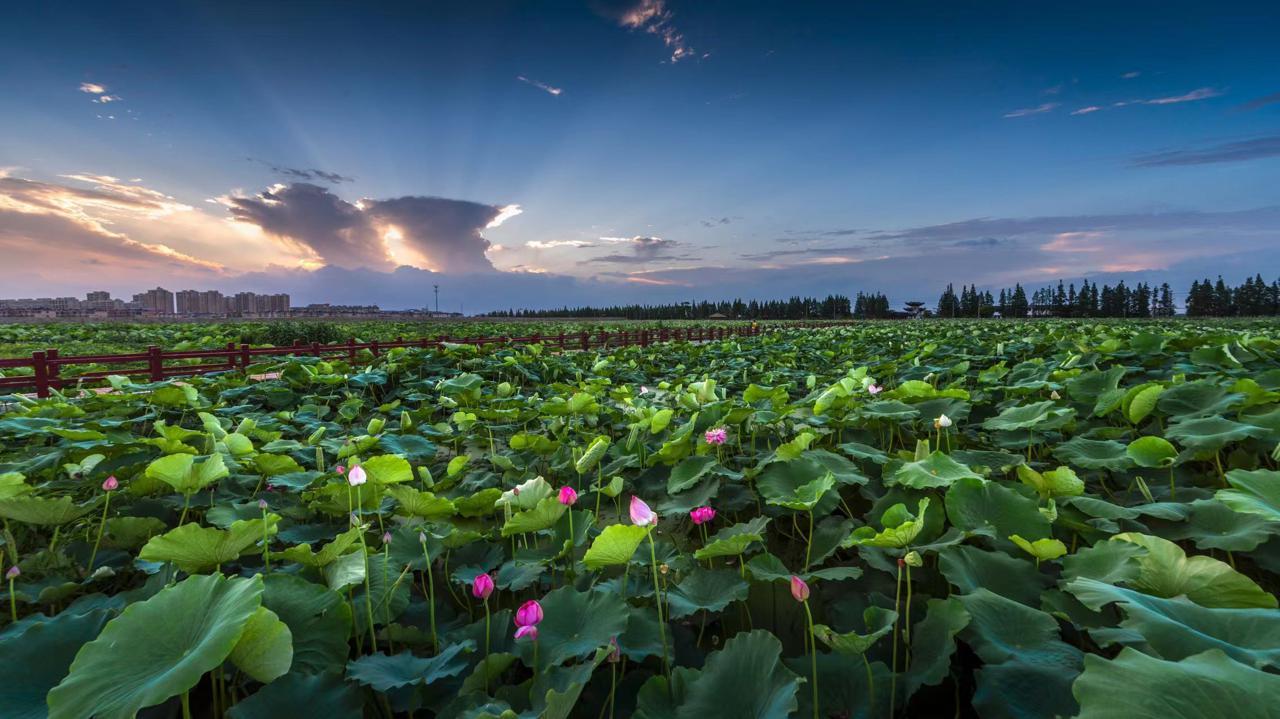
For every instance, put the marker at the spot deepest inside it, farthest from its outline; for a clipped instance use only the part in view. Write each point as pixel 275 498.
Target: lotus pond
pixel 994 519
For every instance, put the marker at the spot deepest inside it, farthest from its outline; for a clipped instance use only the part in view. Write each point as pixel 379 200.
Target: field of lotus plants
pixel 912 519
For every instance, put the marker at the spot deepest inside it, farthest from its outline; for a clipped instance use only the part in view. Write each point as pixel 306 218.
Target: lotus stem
pixel 101 528
pixel 368 591
pixel 871 686
pixel 662 626
pixel 486 645
pixel 431 599
pixel 13 602
pixel 808 543
pixel 893 674
pixel 813 657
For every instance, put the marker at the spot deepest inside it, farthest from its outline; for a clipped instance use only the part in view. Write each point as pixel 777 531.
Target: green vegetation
pixel 1008 519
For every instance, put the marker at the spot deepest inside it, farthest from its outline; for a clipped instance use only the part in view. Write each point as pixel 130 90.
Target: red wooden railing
pixel 47 365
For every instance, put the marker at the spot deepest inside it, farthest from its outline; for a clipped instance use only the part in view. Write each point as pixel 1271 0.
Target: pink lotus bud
pixel 340 469
pixel 356 476
pixel 13 573
pixel 386 537
pixel 874 389
pixel 641 515
pixel 482 586
pixel 529 614
pixel 799 589
pixel 702 515
pixel 717 435
pixel 111 484
pixel 568 495
pixel 262 504
pixel 527 631
pixel 615 652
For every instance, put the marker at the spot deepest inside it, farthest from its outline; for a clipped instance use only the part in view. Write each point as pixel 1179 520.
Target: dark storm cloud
pixel 447 232
pixel 1237 151
pixel 643 249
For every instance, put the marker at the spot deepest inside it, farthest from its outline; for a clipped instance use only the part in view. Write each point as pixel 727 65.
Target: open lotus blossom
pixel 799 589
pixel 568 496
pixel 527 618
pixel 641 515
pixel 482 586
pixel 717 435
pixel 942 422
pixel 356 476
pixel 874 389
pixel 111 484
pixel 702 515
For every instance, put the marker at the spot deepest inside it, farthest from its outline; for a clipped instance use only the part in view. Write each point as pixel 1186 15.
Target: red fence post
pixel 155 363
pixel 41 374
pixel 586 341
pixel 231 355
pixel 351 350
pixel 51 356
pixel 644 338
pixel 245 357
pixel 373 347
pixel 604 339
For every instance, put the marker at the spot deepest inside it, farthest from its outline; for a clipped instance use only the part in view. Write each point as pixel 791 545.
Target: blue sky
pixel 542 153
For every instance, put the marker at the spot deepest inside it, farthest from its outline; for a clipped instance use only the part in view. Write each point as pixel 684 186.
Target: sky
pixel 609 151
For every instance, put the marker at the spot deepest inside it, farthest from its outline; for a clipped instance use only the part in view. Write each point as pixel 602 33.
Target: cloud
pixel 1131 75
pixel 92 88
pixel 716 221
pixel 541 85
pixel 1236 151
pixel 652 17
pixel 643 249
pixel 552 244
pixel 1086 110
pixel 1203 93
pixel 1038 109
pixel 1261 102
pixel 431 232
pixel 306 175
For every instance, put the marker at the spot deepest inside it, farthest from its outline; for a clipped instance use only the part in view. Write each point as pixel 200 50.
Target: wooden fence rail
pixel 47 365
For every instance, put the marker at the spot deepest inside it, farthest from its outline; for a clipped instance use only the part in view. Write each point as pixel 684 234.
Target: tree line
pixel 1064 300
pixel 794 308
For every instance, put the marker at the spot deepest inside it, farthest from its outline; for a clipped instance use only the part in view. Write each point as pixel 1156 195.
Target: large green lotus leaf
pixel 935 470
pixel 389 589
pixel 196 549
pixel 265 650
pixel 706 589
pixel 878 622
pixel 1256 492
pixel 807 496
pixel 857 450
pixel 1152 452
pixel 1060 482
pixel 745 679
pixel 784 483
pixel 414 503
pixel 970 568
pixel 1041 549
pixel 560 687
pixel 1211 433
pixel 1031 416
pixel 544 516
pixel 39 657
pixel 933 642
pixel 1206 686
pixel 1214 525
pixel 385 672
pixel 1027 670
pixel 188 473
pixel 1202 398
pixel 900 528
pixel 13 484
pixel 346 571
pixel 733 541
pixel 1087 387
pixel 575 624
pixel 318 618
pixel 1166 571
pixel 1178 628
pixel 1111 562
pixel 1141 401
pixel 615 545
pixel 689 472
pixel 410 446
pixel 303 554
pixel 889 409
pixel 842 469
pixel 157 648
pixel 1093 454
pixel 388 469
pixel 42 510
pixel 988 460
pixel 324 696
pixel 974 505
pixel 527 494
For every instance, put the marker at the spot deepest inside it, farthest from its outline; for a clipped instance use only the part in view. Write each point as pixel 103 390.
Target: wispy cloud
pixel 1262 102
pixel 103 97
pixel 1037 110
pixel 552 244
pixel 643 249
pixel 1237 151
pixel 1131 75
pixel 716 221
pixel 541 86
pixel 653 17
pixel 1203 93
pixel 1086 110
pixel 306 175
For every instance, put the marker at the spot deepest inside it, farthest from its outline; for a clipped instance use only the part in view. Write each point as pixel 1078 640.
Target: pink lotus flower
pixel 482 587
pixel 568 496
pixel 615 652
pixel 702 515
pixel 874 389
pixel 527 618
pixel 111 484
pixel 799 589
pixel 386 537
pixel 641 515
pixel 340 469
pixel 262 504
pixel 716 436
pixel 356 476
pixel 13 572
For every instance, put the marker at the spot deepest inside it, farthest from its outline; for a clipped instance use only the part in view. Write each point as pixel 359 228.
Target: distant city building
pixel 159 301
pixel 98 296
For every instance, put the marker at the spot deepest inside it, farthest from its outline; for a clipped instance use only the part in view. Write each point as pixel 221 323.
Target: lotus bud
pixel 482 587
pixel 799 590
pixel 942 422
pixel 356 476
pixel 110 484
pixel 874 389
pixel 13 573
pixel 386 537
pixel 568 496
pixel 913 559
pixel 641 515
pixel 702 515
pixel 1054 395
pixel 262 504
pixel 375 425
